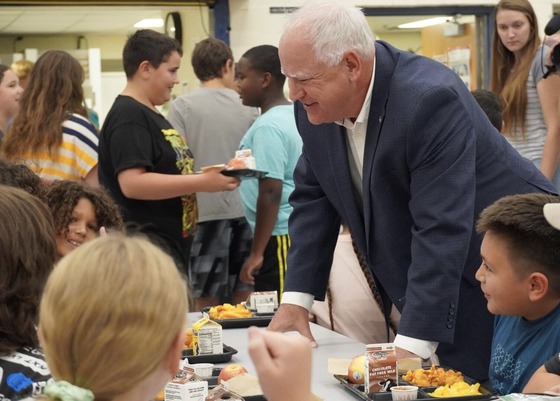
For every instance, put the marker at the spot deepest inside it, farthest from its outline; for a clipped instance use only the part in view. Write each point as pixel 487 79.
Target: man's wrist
pixel 298 298
pixel 423 348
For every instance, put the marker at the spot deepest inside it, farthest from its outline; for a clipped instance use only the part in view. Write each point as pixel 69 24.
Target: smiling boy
pixel 143 161
pixel 520 278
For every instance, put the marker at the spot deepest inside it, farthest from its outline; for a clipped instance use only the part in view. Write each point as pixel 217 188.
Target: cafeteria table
pixel 331 345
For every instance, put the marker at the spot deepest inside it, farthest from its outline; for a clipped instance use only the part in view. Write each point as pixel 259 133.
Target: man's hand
pixel 291 317
pixel 403 353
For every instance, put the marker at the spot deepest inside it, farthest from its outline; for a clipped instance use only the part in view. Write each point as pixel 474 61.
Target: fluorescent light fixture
pixel 425 22
pixel 149 23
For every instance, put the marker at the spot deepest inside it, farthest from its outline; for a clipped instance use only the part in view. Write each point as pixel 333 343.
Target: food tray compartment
pixel 258 319
pixel 210 358
pixel 358 390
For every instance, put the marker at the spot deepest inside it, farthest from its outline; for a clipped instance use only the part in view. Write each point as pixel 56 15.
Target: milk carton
pixel 263 298
pixel 207 337
pixel 186 387
pixel 247 156
pixel 381 367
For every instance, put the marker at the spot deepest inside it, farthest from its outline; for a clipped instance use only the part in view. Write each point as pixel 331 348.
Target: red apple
pixel 231 370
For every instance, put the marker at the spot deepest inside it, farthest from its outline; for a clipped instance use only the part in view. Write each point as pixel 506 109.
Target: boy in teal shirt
pixel 276 146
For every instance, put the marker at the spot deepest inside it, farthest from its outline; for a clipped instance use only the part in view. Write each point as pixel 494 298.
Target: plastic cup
pixel 203 369
pixel 401 393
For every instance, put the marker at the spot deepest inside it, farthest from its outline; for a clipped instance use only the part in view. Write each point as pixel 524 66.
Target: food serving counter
pixel 331 345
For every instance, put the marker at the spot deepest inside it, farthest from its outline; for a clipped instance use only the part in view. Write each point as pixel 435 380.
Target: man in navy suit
pixel 396 146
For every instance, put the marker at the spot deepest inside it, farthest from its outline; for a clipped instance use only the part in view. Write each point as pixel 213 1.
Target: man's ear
pixel 352 64
pixel 175 353
pixel 538 286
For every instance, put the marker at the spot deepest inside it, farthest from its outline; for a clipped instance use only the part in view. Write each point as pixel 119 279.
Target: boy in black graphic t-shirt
pixel 143 161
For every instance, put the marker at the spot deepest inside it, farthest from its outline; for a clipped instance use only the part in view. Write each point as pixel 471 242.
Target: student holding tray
pixel 143 161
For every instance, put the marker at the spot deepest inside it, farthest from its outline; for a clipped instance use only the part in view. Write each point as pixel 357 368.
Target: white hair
pixel 333 29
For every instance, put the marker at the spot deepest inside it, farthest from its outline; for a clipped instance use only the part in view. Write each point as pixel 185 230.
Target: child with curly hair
pixel 80 211
pixel 20 176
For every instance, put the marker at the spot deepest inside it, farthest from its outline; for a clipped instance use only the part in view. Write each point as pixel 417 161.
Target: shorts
pixel 271 274
pixel 219 249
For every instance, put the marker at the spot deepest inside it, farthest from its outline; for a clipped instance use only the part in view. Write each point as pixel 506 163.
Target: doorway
pixel 463 43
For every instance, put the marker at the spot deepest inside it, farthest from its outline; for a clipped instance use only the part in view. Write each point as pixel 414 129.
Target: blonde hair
pixel 22 68
pixel 110 313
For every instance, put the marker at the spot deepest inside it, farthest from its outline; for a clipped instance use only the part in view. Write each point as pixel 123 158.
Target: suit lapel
pixel 384 68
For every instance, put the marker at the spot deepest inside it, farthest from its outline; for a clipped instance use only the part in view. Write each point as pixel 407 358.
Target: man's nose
pixel 296 89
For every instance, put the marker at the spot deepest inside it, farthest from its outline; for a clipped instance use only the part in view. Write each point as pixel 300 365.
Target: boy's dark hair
pixel 148 45
pixel 209 57
pixel 532 243
pixel 489 102
pixel 265 58
pixel 20 176
pixel 63 196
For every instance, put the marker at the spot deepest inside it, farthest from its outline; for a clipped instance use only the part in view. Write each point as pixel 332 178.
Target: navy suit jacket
pixel 432 163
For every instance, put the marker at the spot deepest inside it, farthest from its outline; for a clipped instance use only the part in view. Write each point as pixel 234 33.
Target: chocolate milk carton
pixel 186 386
pixel 381 367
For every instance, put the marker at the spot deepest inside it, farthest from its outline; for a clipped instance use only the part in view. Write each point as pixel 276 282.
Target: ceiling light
pixel 425 22
pixel 149 23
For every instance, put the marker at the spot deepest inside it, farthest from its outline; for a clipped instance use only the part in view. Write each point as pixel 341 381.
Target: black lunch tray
pixel 258 319
pixel 210 358
pixel 358 390
pixel 244 173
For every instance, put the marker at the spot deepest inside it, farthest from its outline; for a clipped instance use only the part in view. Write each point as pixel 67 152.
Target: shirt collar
pixel 364 112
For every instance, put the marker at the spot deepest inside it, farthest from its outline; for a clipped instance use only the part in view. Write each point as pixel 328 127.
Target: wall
pixel 196 26
pixel 435 43
pixel 410 41
pixel 252 24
